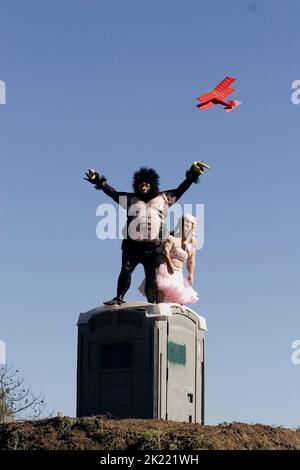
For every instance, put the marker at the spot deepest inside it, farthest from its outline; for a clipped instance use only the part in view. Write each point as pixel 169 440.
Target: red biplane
pixel 217 96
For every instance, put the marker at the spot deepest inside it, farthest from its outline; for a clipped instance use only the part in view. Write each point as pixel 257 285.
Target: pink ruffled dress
pixel 174 287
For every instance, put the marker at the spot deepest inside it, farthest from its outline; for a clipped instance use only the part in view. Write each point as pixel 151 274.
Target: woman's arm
pixel 191 267
pixel 168 248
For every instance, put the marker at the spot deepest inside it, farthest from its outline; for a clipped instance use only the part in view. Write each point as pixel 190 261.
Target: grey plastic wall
pixel 141 361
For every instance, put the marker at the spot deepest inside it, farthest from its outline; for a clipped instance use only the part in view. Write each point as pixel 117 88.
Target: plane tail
pixel 231 104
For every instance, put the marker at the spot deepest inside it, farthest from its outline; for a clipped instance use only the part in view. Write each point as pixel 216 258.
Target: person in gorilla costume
pixel 147 210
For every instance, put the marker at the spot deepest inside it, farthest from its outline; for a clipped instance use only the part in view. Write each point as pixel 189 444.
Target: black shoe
pixel 114 301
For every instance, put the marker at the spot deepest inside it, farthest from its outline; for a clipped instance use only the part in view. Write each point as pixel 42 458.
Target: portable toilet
pixel 141 360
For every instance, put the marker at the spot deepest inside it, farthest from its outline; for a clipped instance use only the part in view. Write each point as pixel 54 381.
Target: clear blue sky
pixel 112 85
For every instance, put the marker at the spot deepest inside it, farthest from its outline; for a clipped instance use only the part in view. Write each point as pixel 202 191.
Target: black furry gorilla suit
pixel 148 211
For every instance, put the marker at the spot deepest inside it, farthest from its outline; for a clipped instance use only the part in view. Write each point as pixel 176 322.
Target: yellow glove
pixel 199 166
pixel 92 175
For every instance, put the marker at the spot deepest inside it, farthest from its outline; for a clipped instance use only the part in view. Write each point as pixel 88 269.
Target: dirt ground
pixel 99 433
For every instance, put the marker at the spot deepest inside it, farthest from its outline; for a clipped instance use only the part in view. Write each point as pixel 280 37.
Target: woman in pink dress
pixel 179 249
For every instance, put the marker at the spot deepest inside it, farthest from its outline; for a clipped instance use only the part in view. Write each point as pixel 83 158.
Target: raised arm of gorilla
pixel 192 176
pixel 100 183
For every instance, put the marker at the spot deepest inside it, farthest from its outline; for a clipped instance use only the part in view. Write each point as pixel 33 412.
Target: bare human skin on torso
pixel 147 218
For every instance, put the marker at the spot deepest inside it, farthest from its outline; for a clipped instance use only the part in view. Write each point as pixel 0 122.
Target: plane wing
pixel 221 91
pixel 229 105
pixel 206 104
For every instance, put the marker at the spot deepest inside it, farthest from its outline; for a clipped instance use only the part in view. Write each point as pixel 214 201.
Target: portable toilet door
pixel 185 372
